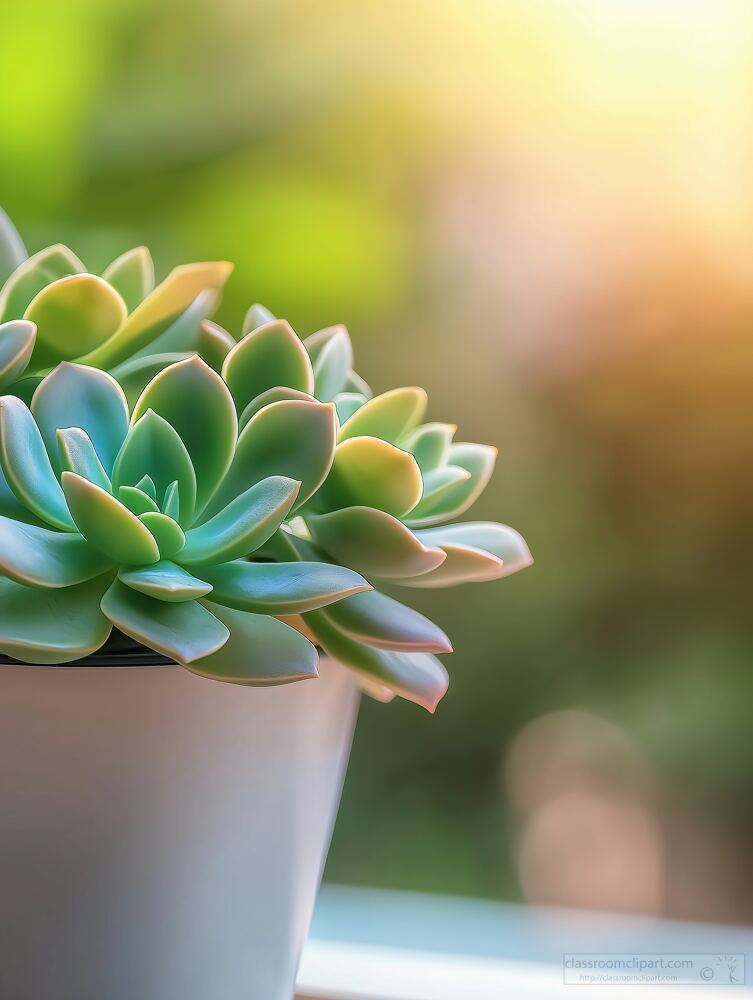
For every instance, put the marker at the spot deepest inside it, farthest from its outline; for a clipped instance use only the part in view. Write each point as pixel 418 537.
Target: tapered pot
pixel 162 836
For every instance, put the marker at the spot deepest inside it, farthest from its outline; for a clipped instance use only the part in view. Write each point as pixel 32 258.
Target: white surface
pixel 162 835
pixel 337 971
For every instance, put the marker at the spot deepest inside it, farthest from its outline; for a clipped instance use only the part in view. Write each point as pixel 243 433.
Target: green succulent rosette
pixel 145 519
pixel 385 508
pixel 52 309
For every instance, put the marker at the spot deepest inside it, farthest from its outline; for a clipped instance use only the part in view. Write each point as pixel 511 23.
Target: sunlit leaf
pixel 271 355
pixel 73 315
pixel 370 472
pixel 132 276
pixel 33 275
pixel 388 416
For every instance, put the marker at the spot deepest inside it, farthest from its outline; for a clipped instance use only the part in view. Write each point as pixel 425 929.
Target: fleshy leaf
pixel 290 438
pixel 256 316
pixel 73 316
pixel 347 403
pixel 158 310
pixel 476 551
pixel 165 581
pixel 41 557
pixel 354 383
pixel 132 276
pixel 419 677
pixel 171 501
pixel 245 524
pixel 33 275
pixel 154 449
pixel 377 620
pixel 167 533
pixel 78 454
pixel 388 416
pixel 136 500
pixel 75 396
pixel 135 374
pixel 215 343
pixel 274 395
pixel 281 588
pixel 198 405
pixel 27 467
pixel 271 355
pixel 331 354
pixel 16 344
pixel 370 472
pixel 184 631
pixel 107 523
pixel 478 460
pixel 12 249
pixel 438 483
pixel 146 483
pixel 52 626
pixel 261 651
pixel 430 444
pixel 373 543
pixel 184 333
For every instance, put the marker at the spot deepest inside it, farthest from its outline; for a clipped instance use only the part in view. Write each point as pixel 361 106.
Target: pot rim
pixel 118 651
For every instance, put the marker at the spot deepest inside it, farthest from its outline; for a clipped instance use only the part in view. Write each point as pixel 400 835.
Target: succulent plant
pixel 383 509
pixel 144 520
pixel 206 506
pixel 52 309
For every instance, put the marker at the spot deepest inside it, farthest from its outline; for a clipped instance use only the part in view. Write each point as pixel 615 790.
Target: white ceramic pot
pixel 162 836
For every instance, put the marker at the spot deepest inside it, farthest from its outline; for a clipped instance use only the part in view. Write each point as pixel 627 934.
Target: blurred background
pixel 542 211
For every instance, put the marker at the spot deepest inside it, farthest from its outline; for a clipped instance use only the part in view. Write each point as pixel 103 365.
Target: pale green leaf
pixel 271 355
pixel 33 275
pixel 17 338
pixel 378 620
pixel 78 454
pixel 166 532
pixel 132 276
pixel 107 523
pixel 370 472
pixel 73 316
pixel 388 416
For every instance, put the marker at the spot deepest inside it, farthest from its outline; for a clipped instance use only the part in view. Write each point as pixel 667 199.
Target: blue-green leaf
pixel 12 249
pixel 74 396
pixel 419 677
pixel 377 620
pixel 331 354
pixel 260 652
pixel 165 581
pixel 154 450
pixel 197 403
pixel 52 626
pixel 281 588
pixel 245 524
pixel 40 557
pixel 26 465
pixel 185 631
pixel 16 344
pixel 77 454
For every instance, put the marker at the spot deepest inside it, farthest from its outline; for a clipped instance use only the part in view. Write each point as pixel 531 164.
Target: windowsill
pixel 376 945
